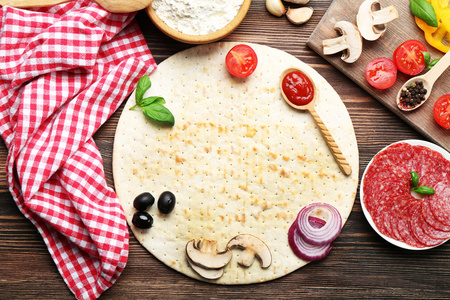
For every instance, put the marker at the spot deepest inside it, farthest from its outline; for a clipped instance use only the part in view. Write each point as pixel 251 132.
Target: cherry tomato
pixel 241 60
pixel 441 111
pixel 408 57
pixel 298 88
pixel 381 73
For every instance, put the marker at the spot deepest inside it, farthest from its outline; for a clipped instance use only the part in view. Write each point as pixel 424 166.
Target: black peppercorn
pixel 413 95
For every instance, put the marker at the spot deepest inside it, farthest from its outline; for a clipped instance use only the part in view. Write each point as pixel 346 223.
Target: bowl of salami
pixel 405 194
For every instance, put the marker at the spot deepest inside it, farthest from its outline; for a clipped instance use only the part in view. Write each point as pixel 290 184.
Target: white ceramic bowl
pixel 361 193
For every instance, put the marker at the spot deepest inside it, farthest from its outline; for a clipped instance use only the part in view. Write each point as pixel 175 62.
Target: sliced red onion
pixel 305 250
pixel 316 222
pixel 323 235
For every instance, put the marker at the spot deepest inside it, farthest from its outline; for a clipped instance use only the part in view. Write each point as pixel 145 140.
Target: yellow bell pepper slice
pixel 438 37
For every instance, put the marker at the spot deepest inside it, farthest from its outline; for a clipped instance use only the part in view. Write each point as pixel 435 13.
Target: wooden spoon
pixel 338 156
pixel 115 6
pixel 31 3
pixel 428 80
pixel 120 6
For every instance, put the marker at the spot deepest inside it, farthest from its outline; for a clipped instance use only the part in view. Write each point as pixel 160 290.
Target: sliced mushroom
pixel 253 247
pixel 372 19
pixel 205 273
pixel 350 42
pixel 299 15
pixel 204 253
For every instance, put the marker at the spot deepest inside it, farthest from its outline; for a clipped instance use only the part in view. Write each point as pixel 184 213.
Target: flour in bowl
pixel 196 17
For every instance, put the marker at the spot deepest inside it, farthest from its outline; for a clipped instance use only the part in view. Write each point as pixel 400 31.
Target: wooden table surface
pixel 361 265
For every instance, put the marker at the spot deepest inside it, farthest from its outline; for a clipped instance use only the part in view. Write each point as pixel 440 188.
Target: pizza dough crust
pixel 239 159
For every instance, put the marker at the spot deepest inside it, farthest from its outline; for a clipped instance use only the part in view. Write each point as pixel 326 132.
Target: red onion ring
pixel 323 235
pixel 305 250
pixel 316 222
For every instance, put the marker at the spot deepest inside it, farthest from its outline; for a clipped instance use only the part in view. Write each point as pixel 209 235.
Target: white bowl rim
pixel 412 142
pixel 202 38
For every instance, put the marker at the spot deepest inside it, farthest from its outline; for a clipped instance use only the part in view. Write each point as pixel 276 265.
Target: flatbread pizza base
pixel 239 159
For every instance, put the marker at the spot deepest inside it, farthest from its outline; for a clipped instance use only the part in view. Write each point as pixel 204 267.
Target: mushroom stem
pixel 247 258
pixel 335 45
pixel 372 19
pixel 385 15
pixel 208 246
pixel 350 42
pixel 253 247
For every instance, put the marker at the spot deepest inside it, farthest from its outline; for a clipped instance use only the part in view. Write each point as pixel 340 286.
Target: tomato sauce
pixel 298 88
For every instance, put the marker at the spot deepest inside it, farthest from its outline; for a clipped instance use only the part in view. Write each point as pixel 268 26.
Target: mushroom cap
pixel 372 18
pixel 204 253
pixel 205 273
pixel 253 247
pixel 364 21
pixel 353 39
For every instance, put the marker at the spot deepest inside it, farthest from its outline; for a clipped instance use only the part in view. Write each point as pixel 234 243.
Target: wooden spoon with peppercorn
pixel 416 90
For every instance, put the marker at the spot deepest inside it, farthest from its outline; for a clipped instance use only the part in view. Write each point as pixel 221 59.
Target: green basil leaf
pixel 152 107
pixel 428 62
pixel 142 86
pixel 426 57
pixel 153 99
pixel 414 178
pixel 433 63
pixel 159 113
pixel 424 190
pixel 424 11
pixel 149 100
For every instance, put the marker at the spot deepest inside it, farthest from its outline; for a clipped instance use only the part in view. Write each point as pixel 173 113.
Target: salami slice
pixel 386 191
pixel 416 225
pixel 390 157
pixel 384 185
pixel 425 161
pixel 404 224
pixel 440 202
pixel 430 219
pixel 431 166
pixel 392 214
pixel 430 230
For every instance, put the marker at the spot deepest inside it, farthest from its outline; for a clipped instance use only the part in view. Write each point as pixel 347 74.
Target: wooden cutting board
pixel 398 31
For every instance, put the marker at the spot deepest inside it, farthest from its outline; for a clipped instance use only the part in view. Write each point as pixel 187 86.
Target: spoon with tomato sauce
pixel 299 91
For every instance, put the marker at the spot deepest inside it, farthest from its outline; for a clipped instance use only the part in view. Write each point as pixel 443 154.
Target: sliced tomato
pixel 381 73
pixel 408 57
pixel 441 111
pixel 241 60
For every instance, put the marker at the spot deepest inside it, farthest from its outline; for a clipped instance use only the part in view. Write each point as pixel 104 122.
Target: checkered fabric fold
pixel 64 70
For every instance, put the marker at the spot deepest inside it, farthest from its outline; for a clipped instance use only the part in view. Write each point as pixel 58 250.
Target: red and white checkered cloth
pixel 64 71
